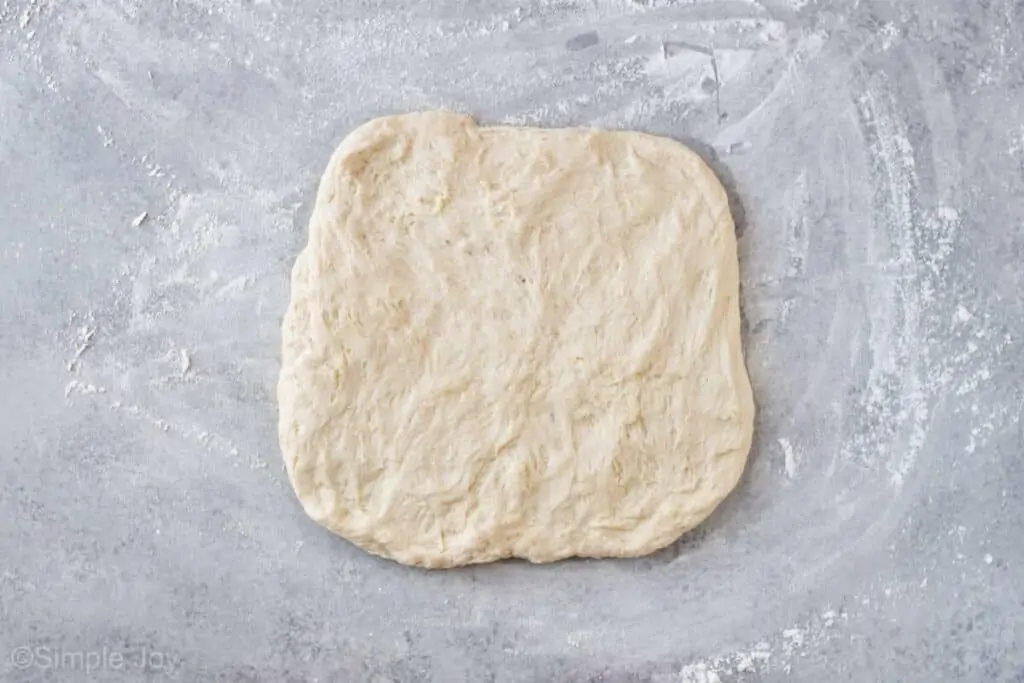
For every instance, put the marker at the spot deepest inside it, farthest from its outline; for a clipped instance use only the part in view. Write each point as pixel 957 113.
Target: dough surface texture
pixel 513 342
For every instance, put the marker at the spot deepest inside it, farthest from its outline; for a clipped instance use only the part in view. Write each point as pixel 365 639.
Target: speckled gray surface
pixel 157 164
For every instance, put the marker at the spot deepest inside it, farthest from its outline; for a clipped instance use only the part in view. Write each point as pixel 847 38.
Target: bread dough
pixel 513 342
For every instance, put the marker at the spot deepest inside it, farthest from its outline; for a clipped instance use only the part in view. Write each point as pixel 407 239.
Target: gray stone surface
pixel 875 154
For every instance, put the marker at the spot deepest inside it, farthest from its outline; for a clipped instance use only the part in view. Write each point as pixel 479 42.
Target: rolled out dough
pixel 513 342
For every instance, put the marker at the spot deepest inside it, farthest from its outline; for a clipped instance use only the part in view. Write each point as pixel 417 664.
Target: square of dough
pixel 513 342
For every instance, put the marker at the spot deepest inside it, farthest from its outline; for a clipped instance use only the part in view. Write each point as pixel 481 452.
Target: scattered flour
pixel 789 458
pixel 776 654
pixel 74 386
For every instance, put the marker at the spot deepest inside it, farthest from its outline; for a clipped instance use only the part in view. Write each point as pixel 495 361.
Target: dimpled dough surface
pixel 513 342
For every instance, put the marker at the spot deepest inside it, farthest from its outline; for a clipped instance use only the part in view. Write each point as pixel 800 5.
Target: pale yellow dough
pixel 513 342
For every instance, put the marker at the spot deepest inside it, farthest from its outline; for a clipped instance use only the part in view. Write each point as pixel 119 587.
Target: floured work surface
pixel 513 342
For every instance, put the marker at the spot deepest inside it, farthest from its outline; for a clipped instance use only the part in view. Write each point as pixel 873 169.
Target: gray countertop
pixel 157 165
